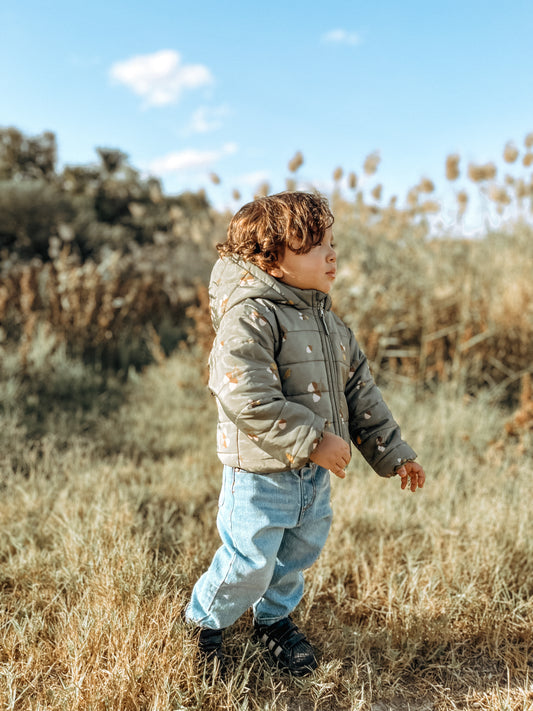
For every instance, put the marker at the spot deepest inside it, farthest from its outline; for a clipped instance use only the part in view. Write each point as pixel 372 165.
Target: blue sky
pixel 236 88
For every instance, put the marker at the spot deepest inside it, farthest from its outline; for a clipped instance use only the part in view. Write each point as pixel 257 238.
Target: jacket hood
pixel 234 280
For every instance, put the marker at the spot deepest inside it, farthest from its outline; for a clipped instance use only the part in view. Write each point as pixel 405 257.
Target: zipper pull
pixel 323 317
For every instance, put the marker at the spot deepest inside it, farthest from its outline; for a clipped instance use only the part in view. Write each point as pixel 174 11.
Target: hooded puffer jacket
pixel 284 369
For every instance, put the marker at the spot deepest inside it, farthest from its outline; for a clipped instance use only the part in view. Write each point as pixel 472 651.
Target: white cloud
pixel 160 78
pixel 189 160
pixel 341 37
pixel 206 119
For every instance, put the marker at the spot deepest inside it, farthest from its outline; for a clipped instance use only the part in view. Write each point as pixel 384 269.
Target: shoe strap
pixel 289 638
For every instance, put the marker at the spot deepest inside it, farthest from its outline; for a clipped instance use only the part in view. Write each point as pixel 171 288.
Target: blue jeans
pixel 272 526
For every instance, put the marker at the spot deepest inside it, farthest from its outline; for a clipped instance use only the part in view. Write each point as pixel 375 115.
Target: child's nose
pixel 332 255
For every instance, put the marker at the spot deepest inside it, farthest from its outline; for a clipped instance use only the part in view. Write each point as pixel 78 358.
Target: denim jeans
pixel 272 526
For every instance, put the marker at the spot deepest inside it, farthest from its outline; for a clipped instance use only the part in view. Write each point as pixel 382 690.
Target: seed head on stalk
pixel 481 173
pixel 499 195
pixel 376 192
pixel 371 163
pixel 462 201
pixel 290 184
pixel 430 207
pixel 452 166
pixel 296 161
pixel 510 153
pixel 426 185
pixel 412 197
pixel 263 189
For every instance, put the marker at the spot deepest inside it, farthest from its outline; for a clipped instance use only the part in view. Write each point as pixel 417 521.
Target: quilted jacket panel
pixel 284 369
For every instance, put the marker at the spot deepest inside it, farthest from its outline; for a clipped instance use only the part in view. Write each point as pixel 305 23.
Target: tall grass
pixel 422 598
pixel 109 481
pixel 425 304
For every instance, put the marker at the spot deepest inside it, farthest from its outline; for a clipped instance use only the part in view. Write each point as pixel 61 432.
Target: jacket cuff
pixel 314 434
pixel 387 466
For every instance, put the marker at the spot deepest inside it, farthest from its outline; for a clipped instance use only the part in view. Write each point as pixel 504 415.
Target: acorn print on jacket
pixel 232 378
pixel 343 351
pixel 257 318
pixel 223 439
pixel 247 279
pixel 273 370
pixel 313 388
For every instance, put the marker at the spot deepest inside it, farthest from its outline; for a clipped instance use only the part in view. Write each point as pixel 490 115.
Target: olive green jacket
pixel 285 369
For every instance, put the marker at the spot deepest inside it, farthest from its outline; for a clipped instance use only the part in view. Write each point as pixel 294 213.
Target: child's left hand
pixel 414 472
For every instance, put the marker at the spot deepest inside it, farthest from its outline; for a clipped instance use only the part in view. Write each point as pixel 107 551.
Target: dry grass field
pixel 106 520
pixel 109 481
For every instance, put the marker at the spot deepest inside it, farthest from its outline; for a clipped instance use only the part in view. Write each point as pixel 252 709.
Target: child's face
pixel 314 270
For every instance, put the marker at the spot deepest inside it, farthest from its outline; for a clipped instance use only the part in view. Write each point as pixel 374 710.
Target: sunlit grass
pixel 424 596
pixel 109 481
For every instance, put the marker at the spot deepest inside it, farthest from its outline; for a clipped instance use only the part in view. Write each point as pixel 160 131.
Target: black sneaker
pixel 288 646
pixel 210 647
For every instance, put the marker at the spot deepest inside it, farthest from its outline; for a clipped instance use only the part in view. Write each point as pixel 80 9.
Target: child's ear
pixel 276 272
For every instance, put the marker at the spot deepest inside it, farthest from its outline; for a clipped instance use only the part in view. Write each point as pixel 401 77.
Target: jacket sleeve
pixel 244 378
pixel 373 429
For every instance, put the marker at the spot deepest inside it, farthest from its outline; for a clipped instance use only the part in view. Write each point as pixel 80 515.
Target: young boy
pixel 293 388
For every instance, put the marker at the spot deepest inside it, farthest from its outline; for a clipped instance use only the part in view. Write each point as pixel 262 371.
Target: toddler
pixel 293 389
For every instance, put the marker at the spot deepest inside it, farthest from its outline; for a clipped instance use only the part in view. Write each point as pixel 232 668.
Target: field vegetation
pixel 109 481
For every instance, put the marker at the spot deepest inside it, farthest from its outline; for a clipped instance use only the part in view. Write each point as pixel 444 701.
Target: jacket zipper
pixel 330 371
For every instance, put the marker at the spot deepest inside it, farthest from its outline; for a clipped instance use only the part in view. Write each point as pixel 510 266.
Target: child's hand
pixel 332 453
pixel 414 472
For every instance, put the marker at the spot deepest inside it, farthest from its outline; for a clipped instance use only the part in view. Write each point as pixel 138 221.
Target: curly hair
pixel 261 230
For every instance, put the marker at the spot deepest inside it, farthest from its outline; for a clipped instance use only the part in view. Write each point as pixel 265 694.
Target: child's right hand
pixel 332 453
